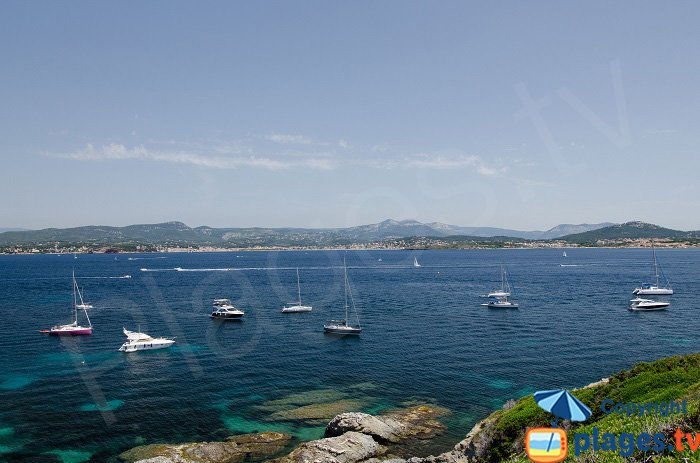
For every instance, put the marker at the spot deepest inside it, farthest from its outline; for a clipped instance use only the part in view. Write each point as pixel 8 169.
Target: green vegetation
pixel 629 230
pixel 674 378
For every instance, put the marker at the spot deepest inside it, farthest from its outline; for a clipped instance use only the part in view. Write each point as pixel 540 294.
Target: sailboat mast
pixel 345 267
pixel 656 264
pixel 75 298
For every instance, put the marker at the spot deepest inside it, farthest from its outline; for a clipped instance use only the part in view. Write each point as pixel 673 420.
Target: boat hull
pixel 297 309
pixel 342 330
pixel 501 305
pixel 649 308
pixel 653 292
pixel 71 332
pixel 235 316
pixel 126 347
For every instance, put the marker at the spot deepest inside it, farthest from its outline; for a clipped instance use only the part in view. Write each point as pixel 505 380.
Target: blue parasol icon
pixel 562 404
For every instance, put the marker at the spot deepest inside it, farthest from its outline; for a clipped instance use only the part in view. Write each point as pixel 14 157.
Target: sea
pixel 426 339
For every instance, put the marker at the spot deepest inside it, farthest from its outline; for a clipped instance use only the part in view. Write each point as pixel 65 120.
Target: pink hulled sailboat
pixel 73 329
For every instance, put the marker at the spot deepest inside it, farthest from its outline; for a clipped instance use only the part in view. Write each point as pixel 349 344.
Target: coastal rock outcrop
pixel 234 450
pixel 351 447
pixel 415 422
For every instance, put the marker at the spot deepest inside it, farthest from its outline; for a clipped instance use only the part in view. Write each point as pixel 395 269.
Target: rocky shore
pixel 350 438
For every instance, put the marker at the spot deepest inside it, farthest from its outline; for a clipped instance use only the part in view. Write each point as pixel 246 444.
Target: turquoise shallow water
pixel 425 339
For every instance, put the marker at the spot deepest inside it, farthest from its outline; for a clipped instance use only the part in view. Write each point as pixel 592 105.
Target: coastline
pixel 357 247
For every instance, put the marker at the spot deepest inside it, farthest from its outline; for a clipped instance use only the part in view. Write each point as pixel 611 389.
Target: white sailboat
pixel 299 307
pixel 342 326
pixel 415 262
pixel 564 254
pixel 141 341
pixel 648 289
pixel 499 298
pixel 73 329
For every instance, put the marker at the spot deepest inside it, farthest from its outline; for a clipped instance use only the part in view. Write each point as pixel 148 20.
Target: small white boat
pixel 640 304
pixel 225 310
pixel 499 298
pixel 415 262
pixel 341 326
pixel 299 307
pixel 141 341
pixel 564 254
pixel 649 289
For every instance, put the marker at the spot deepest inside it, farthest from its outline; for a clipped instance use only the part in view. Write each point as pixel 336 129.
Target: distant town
pixel 178 237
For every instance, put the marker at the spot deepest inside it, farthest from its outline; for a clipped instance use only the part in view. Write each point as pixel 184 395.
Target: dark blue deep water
pixel 426 339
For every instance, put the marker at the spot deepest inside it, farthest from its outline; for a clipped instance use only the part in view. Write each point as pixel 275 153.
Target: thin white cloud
pixel 234 156
pixel 289 139
pixel 426 161
pixel 114 151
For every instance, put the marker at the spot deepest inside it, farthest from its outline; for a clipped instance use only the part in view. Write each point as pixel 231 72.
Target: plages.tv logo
pixel 550 445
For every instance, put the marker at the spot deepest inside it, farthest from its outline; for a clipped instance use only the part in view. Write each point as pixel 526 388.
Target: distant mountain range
pixel 179 234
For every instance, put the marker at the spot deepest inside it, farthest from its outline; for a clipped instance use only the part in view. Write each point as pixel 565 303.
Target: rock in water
pixel 383 430
pixel 415 422
pixel 351 447
pixel 235 450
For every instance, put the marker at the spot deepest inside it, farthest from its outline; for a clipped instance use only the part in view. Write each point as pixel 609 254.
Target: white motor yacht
pixel 225 310
pixel 640 304
pixel 141 341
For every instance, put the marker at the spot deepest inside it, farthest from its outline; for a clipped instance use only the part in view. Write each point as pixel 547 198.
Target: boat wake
pixel 146 258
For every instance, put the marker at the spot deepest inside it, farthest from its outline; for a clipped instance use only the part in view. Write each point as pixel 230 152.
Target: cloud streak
pixel 289 139
pixel 115 151
pixel 223 156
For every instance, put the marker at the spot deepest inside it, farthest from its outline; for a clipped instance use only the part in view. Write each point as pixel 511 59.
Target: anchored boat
pixel 342 326
pixel 299 307
pixel 649 289
pixel 73 329
pixel 499 298
pixel 225 310
pixel 141 341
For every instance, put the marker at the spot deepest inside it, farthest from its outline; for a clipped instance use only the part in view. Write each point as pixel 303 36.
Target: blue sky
pixel 323 113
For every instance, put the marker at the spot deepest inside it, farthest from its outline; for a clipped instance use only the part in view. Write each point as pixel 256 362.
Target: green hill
pixel 501 435
pixel 629 230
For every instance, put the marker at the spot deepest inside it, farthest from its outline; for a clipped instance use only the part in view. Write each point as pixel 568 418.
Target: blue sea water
pixel 426 338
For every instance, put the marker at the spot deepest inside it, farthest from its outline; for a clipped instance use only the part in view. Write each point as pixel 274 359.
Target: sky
pixel 329 114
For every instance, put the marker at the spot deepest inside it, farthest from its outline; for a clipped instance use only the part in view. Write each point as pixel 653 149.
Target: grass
pixel 669 379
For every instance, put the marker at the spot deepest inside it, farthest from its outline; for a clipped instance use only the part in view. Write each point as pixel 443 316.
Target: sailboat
pixel 415 262
pixel 564 254
pixel 341 326
pixel 299 307
pixel 499 298
pixel 654 289
pixel 73 329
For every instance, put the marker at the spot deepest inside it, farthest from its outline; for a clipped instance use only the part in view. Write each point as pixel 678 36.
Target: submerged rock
pixel 320 412
pixel 351 447
pixel 234 450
